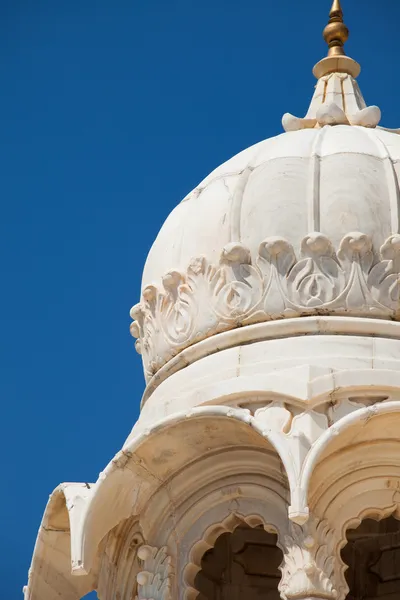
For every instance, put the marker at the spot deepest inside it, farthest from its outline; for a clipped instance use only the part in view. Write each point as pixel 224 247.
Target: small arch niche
pixel 242 564
pixel 372 554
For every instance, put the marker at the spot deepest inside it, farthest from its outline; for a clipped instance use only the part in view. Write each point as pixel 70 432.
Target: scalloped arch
pixel 377 513
pixel 212 533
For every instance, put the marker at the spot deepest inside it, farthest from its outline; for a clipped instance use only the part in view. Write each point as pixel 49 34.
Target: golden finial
pixel 336 32
pixel 335 35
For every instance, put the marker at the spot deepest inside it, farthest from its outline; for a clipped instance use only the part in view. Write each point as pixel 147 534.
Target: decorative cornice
pixel 242 290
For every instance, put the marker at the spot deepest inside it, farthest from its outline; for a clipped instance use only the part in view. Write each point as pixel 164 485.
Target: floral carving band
pixel 242 289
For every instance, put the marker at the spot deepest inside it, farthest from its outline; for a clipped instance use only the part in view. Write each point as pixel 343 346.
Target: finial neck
pixel 336 63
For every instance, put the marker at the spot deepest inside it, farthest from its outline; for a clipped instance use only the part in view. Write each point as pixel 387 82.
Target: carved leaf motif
pixel 276 258
pixel 155 581
pixel 356 256
pixel 356 247
pixel 308 564
pixel 317 279
pixel 175 308
pixel 200 275
pixel 208 299
pixel 236 286
pixel 150 340
pixel 136 328
pixel 384 278
pixel 149 325
pixel 369 116
pixel 331 113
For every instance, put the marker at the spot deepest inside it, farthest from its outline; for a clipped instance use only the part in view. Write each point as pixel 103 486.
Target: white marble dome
pixel 335 180
pixel 303 223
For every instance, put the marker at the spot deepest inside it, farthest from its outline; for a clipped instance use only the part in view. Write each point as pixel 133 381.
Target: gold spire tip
pixel 336 32
pixel 336 35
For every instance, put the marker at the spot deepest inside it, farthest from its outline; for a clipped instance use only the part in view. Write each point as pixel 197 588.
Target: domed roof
pixel 332 180
pixel 304 223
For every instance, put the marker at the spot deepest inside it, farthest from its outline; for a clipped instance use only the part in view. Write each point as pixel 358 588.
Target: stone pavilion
pixel 265 463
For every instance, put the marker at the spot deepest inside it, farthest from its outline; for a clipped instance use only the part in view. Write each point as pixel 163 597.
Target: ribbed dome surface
pixel 333 180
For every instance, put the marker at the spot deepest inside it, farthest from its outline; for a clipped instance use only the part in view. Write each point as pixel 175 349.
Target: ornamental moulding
pixel 241 290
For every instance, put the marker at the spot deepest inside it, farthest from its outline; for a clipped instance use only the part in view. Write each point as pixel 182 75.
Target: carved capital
pixel 308 568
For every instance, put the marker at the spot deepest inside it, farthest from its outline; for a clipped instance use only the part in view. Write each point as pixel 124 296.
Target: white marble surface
pixel 331 184
pixel 288 159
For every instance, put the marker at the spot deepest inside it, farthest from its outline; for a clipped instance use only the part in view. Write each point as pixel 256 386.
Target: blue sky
pixel 111 113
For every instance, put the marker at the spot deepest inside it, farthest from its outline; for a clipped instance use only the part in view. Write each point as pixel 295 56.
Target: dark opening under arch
pixel 242 564
pixel 373 557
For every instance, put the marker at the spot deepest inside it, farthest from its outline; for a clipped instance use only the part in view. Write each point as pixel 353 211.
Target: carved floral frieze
pixel 242 289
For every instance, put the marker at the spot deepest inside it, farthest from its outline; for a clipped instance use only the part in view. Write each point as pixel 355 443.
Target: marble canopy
pixel 269 328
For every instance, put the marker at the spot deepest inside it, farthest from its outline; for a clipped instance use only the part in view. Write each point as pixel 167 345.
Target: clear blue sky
pixel 111 112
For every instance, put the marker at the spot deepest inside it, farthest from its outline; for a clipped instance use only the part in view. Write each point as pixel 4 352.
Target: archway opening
pixel 242 564
pixel 372 554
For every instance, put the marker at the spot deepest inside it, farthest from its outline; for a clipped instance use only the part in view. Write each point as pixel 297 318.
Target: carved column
pixel 308 568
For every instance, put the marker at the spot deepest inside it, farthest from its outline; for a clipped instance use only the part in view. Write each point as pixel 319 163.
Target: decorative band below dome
pixel 241 290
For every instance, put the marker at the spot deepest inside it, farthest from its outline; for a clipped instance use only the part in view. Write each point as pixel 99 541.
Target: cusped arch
pixel 157 455
pixel 377 512
pixel 209 538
